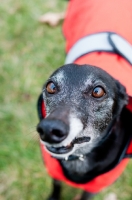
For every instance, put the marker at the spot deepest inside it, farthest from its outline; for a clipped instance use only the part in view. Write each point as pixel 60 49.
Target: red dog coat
pixel 98 33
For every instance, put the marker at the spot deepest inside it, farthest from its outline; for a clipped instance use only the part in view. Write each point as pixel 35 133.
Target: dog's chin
pixel 65 151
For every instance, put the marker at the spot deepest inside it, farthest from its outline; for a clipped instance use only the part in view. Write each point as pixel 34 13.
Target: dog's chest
pixel 77 167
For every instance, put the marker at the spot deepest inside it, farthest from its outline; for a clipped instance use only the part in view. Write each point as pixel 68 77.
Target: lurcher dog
pixel 85 125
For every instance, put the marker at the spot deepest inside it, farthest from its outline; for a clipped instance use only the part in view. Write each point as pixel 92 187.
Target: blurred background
pixel 29 52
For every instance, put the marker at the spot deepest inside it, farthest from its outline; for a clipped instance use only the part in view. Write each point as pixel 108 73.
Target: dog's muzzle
pixel 53 132
pixel 59 132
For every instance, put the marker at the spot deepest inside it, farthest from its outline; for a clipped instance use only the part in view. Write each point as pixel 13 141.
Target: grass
pixel 29 53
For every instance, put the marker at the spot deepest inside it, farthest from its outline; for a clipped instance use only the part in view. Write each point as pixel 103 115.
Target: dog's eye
pixel 98 92
pixel 51 88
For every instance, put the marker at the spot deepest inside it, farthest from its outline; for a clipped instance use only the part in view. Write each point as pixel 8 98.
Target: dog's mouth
pixel 69 147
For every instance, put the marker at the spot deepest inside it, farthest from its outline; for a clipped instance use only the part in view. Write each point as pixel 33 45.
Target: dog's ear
pixel 121 97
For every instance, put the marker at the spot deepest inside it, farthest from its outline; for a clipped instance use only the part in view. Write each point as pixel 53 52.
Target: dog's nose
pixel 52 130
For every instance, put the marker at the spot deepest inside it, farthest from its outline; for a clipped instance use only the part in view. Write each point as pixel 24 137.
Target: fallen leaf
pixel 51 18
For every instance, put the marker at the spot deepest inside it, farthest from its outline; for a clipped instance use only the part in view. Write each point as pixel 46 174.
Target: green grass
pixel 29 53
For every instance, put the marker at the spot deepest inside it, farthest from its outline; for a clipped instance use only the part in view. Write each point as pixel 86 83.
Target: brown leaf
pixel 51 18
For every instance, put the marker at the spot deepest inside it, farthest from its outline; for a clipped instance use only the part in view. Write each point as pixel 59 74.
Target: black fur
pixel 105 120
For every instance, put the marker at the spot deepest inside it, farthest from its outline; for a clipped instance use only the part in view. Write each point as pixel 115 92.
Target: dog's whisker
pixel 33 140
pixel 31 130
pixel 33 127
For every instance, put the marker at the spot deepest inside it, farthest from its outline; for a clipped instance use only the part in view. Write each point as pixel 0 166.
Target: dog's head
pixel 81 104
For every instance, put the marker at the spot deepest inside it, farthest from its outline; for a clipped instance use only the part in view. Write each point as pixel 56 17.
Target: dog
pixel 87 126
pixel 85 107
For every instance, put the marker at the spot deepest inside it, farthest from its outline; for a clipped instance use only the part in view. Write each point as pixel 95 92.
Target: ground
pixel 29 53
